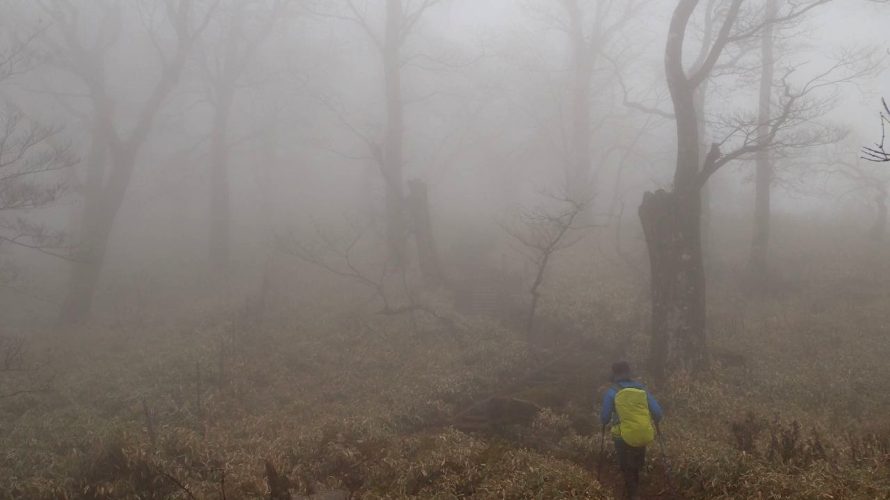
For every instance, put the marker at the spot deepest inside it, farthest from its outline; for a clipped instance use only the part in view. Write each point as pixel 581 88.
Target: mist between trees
pixel 573 172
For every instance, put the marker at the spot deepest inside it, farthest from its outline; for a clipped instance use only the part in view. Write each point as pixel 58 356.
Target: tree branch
pixel 723 37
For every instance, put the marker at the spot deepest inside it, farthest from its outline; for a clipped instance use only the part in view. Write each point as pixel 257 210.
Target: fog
pixel 390 248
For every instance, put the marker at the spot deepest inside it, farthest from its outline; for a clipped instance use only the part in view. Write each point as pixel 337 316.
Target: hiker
pixel 634 415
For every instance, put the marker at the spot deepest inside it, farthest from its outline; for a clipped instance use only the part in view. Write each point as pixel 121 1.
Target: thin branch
pixel 544 234
pixel 411 19
pixel 355 16
pixel 723 37
pixel 879 153
pixel 639 106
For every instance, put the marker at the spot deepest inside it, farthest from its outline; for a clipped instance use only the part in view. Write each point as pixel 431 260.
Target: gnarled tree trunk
pixel 219 179
pixel 671 225
pixel 672 222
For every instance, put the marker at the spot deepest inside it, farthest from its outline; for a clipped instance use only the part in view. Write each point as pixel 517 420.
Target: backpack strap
pixel 618 388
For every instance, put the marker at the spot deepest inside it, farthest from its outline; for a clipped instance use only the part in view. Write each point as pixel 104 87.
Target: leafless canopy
pixel 27 155
pixel 30 153
pixel 337 256
pixel 542 233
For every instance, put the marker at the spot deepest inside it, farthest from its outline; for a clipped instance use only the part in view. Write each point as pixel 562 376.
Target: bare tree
pixel 591 29
pixel 225 59
pixel 400 20
pixel 337 256
pixel 542 233
pixel 114 151
pixel 850 65
pixel 763 172
pixel 704 33
pixel 418 207
pixel 671 219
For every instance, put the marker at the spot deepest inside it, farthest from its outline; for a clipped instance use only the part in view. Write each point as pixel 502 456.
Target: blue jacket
pixel 609 401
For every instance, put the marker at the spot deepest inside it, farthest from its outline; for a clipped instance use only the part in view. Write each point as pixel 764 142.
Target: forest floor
pixel 368 406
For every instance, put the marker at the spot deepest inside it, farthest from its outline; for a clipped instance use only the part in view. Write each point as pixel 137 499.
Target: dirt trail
pixel 653 482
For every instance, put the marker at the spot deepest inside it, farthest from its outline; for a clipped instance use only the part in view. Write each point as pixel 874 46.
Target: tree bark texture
pixel 671 222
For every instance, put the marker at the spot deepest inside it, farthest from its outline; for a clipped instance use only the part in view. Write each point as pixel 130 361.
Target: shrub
pixel 789 446
pixel 745 432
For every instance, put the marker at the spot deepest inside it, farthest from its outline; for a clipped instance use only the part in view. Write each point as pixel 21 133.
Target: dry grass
pixel 361 404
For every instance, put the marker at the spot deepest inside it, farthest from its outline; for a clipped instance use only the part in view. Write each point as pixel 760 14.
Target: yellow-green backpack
pixel 635 425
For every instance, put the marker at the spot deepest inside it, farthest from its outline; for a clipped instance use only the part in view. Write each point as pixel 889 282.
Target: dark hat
pixel 621 369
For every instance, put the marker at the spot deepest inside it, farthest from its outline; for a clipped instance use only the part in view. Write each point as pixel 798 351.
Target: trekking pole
pixel 666 465
pixel 599 464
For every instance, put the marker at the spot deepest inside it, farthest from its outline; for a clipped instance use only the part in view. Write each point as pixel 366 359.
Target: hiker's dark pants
pixel 631 461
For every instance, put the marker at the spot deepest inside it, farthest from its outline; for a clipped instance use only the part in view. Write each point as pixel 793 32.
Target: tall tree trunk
pixel 672 225
pixel 701 97
pixel 94 229
pixel 689 330
pixel 393 160
pixel 763 177
pixel 421 222
pixel 578 174
pixel 220 210
pixel 96 164
pixel 659 220
pixel 224 88
pixel 105 196
pixel 100 210
pixel 87 263
pixel 269 158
